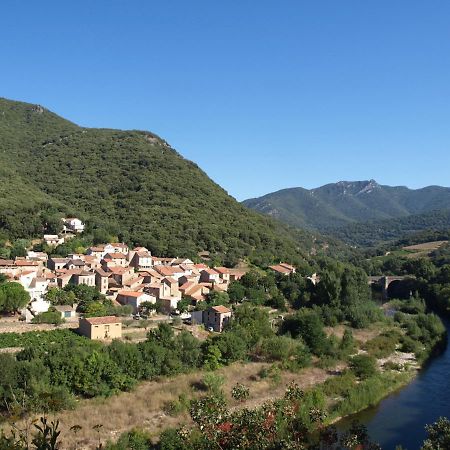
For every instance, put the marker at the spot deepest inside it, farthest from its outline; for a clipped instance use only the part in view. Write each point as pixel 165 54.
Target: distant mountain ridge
pixel 347 202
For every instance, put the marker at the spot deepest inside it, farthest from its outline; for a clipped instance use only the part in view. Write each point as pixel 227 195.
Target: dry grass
pixel 145 407
pixel 426 246
pixel 362 335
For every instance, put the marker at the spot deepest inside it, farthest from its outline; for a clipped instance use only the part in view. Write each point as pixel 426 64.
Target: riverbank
pixel 400 418
pixel 338 389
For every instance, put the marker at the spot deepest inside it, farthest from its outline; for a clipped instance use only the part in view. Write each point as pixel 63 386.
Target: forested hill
pixel 347 202
pixel 130 184
pixel 371 234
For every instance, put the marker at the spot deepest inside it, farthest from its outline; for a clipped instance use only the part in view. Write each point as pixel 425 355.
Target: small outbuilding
pixel 101 328
pixel 66 311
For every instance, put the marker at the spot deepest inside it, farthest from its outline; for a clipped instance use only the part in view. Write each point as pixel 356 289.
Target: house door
pixel 106 331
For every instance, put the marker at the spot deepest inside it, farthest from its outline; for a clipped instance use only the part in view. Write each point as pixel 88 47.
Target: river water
pixel 400 418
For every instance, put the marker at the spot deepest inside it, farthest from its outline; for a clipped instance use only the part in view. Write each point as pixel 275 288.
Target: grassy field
pixel 421 250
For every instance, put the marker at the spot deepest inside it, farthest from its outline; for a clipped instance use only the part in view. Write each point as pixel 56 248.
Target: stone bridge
pixel 385 280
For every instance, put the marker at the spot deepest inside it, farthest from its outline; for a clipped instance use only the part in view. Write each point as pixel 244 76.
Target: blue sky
pixel 262 94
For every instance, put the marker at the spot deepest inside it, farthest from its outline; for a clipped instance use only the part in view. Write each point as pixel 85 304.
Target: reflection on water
pixel 400 419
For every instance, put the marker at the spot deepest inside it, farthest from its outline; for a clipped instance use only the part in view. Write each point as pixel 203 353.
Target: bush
pixel 176 407
pixel 49 316
pixel 409 345
pixel 213 382
pixel 363 366
pixel 383 345
pixel 277 348
pixel 131 440
pixel 240 392
pixel 337 386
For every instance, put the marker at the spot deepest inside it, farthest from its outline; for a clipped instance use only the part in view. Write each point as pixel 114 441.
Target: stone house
pixel 216 317
pixel 73 224
pixel 57 263
pixel 134 298
pixel 209 276
pixel 101 328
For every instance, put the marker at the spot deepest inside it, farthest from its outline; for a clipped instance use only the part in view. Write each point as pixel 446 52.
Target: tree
pixel 347 344
pixel 363 366
pixel 212 357
pixel 60 297
pixel 307 325
pixel 215 298
pixel 438 435
pixel 236 292
pixel 147 308
pixel 13 297
pixel 96 309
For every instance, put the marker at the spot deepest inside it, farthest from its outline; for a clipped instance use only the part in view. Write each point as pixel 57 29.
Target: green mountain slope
pixel 128 183
pixel 343 203
pixel 369 234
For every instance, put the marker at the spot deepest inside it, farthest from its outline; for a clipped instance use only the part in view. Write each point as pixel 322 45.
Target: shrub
pixel 363 366
pixel 53 317
pixel 176 407
pixel 213 382
pixel 240 392
pixel 338 385
pixel 383 345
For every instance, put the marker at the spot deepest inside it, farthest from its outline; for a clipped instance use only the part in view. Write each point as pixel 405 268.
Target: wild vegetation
pixel 130 185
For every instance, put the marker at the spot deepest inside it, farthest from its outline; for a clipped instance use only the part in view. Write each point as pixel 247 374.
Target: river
pixel 400 419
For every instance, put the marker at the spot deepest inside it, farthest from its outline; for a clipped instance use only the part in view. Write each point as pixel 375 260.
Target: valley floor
pixel 146 407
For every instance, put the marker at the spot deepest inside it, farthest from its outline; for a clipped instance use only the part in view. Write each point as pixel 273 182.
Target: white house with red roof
pixel 134 298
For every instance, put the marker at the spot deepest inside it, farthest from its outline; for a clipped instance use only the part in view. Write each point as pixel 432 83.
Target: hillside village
pixel 126 276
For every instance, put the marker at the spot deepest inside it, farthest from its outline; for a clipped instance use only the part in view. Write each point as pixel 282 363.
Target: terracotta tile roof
pixel 221 309
pixel 28 272
pixel 170 280
pixel 130 293
pixel 102 273
pixel 280 269
pixel 222 287
pixel 102 320
pixel 287 266
pixel 155 285
pixel 76 262
pixel 144 254
pixel 115 255
pixel 210 271
pixel 88 258
pixel 195 290
pixel 119 270
pixel 97 249
pixel 6 262
pixel 187 285
pixel 222 270
pixel 165 270
pixel 26 263
pixel 119 245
